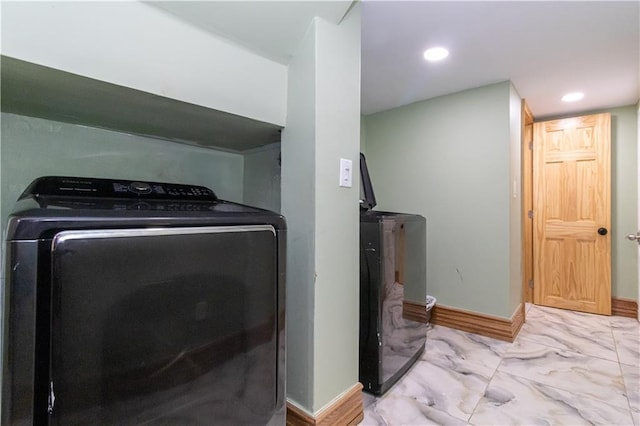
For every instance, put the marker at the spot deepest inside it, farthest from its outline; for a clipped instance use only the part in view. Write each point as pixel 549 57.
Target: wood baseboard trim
pixel 346 410
pixel 298 417
pixel 624 307
pixel 414 311
pixel 473 322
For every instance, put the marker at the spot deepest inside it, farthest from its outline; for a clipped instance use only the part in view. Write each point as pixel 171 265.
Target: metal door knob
pixel 632 237
pixel 602 231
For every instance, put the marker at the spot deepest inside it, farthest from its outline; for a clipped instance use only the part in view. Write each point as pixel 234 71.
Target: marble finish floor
pixel 564 368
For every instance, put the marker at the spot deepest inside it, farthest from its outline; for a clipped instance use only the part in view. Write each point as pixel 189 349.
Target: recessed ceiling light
pixel 436 54
pixel 573 97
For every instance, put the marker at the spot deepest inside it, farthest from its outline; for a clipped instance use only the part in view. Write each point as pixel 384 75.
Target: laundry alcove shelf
pixel 38 91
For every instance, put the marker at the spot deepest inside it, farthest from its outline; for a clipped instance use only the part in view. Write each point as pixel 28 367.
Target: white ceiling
pixel 545 48
pixel 272 29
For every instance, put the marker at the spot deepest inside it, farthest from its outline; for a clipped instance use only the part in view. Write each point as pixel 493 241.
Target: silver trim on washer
pixel 146 232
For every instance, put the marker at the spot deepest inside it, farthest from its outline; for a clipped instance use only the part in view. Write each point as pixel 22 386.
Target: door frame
pixel 527 205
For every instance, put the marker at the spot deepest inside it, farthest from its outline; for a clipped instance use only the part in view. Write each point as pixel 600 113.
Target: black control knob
pixel 602 231
pixel 140 187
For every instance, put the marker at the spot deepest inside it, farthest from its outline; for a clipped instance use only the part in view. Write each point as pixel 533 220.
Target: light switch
pixel 346 173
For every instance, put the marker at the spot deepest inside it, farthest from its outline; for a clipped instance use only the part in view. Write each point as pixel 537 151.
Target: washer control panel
pixel 56 186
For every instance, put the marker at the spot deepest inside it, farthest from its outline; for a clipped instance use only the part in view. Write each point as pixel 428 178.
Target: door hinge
pixel 531 145
pixel 530 214
pixel 530 283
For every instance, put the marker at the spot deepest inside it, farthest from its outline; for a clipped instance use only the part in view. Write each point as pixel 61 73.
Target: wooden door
pixel 572 211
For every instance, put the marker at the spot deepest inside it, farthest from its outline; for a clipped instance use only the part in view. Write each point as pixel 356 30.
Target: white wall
pixel 134 45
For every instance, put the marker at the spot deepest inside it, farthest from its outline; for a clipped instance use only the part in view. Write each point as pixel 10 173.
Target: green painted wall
pixel 515 199
pixel 429 146
pixel 624 201
pixel 33 147
pixel 337 226
pixel 299 207
pixel 148 50
pixel 323 125
pixel 449 159
pixel 363 136
pixel 262 177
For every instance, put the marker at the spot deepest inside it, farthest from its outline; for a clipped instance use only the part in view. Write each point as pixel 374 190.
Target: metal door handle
pixel 602 231
pixel 632 237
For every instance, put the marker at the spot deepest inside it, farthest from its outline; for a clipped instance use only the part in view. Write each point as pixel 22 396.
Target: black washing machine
pixel 392 259
pixel 142 303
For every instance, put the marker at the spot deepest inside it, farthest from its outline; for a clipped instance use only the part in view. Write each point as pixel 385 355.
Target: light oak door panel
pixel 572 202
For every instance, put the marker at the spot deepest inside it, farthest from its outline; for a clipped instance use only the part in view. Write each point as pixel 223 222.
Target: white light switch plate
pixel 346 173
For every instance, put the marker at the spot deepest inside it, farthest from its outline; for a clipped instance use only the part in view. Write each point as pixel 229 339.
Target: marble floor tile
pixel 527 306
pixel 511 400
pixel 405 410
pixel 368 399
pixel 575 319
pixel 626 334
pixel 466 350
pixel 372 418
pixel 597 342
pixel 623 322
pixel 565 368
pixel 578 320
pixel 439 385
pixel 631 376
pixel 583 375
